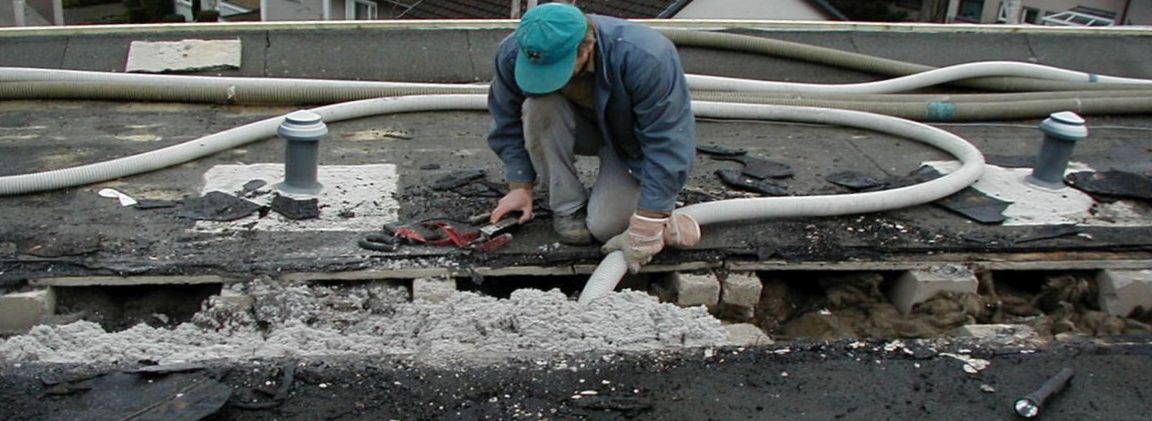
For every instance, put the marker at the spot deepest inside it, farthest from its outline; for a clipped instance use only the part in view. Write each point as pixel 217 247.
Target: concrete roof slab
pixel 1106 55
pixel 42 52
pixel 942 49
pixel 109 53
pixel 373 55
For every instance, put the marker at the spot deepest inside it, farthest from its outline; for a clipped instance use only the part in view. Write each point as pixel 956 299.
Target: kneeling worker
pixel 570 84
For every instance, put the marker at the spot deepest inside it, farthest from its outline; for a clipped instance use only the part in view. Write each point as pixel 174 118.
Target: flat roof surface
pixel 75 232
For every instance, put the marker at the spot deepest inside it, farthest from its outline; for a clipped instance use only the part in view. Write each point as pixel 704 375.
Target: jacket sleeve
pixel 665 127
pixel 506 134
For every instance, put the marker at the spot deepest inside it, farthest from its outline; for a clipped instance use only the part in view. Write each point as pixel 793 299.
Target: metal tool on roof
pixel 442 233
pixel 1031 404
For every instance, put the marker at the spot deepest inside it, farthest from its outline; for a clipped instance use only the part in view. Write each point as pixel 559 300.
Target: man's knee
pixel 545 107
pixel 604 227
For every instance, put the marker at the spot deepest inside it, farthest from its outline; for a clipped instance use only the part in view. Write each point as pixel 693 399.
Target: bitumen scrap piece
pixel 146 204
pixel 157 370
pixel 296 209
pixel 217 206
pixel 179 396
pixel 1112 183
pixel 251 186
pixel 975 205
pixel 54 246
pixel 856 180
pixel 741 181
pixel 759 168
pixel 456 179
pixel 1011 161
pixel 720 150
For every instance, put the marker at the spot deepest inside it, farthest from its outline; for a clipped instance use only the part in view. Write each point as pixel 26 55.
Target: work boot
pixel 573 229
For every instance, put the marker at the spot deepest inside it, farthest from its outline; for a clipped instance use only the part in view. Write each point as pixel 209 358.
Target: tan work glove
pixel 681 231
pixel 642 240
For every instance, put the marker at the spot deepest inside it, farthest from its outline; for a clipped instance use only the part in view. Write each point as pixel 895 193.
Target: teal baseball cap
pixel 549 36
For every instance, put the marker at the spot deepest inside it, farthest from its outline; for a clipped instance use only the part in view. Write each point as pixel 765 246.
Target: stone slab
pixel 747 334
pixel 82 281
pixel 1122 291
pixel 189 55
pixel 433 290
pixel 916 286
pixel 23 310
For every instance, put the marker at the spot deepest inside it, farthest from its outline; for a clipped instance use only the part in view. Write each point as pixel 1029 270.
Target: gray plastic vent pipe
pixel 1062 131
pixel 607 275
pixel 302 132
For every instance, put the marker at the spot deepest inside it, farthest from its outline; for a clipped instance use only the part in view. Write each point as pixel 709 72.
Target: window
pixel 1071 18
pixel 360 10
pixel 970 10
pixel 1027 15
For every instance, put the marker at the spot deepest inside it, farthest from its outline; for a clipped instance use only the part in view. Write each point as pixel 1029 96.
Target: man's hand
pixel 517 199
pixel 642 240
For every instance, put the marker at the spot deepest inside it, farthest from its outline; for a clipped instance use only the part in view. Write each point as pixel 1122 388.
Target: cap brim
pixel 542 79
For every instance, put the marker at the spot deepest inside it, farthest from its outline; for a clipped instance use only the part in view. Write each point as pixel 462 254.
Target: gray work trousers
pixel 555 132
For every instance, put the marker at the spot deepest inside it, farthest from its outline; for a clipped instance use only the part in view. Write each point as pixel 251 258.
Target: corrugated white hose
pixel 20 74
pixel 698 82
pixel 222 141
pixel 607 275
pixel 910 82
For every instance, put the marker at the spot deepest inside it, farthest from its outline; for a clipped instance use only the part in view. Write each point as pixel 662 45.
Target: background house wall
pixel 750 9
pixel 989 11
pixel 281 10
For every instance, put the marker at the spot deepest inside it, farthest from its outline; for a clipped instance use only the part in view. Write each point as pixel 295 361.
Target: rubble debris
pixel 1112 183
pixel 972 365
pixel 1048 232
pixel 58 246
pixel 758 168
pixel 296 209
pixel 738 180
pixel 456 179
pixel 125 200
pixel 217 206
pixel 288 376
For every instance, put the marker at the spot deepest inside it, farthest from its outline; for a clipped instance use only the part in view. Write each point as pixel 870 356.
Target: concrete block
pixel 23 310
pixel 433 290
pixel 186 55
pixel 916 286
pixel 1123 291
pixel 740 289
pixel 687 290
pixel 747 334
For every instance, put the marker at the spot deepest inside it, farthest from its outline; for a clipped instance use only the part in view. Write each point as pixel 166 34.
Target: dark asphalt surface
pixel 842 380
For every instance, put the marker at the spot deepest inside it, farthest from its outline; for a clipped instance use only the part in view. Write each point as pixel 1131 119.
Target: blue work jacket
pixel 643 109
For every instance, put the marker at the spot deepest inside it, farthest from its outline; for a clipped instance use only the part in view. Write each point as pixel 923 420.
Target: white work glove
pixel 646 236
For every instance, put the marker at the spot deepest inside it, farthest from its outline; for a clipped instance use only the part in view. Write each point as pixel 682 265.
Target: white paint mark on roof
pixel 355 197
pixel 1032 205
